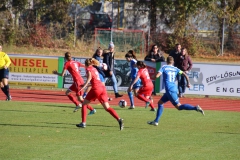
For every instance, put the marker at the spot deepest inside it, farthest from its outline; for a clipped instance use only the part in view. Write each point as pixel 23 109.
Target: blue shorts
pixel 137 85
pixel 101 78
pixel 170 96
pixel 4 73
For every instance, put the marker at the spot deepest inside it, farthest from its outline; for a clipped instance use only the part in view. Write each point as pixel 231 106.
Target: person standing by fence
pixel 175 53
pixel 108 58
pixel 155 55
pixel 184 63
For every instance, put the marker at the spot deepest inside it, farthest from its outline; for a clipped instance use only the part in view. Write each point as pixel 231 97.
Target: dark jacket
pixel 97 57
pixel 158 57
pixel 174 53
pixel 108 58
pixel 184 63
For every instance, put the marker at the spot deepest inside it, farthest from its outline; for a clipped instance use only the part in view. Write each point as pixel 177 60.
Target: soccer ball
pixel 104 66
pixel 122 103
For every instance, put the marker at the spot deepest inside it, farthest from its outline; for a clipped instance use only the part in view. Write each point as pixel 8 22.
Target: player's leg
pixel 103 99
pixel 184 84
pixel 2 87
pixel 150 103
pixel 5 85
pixel 143 94
pixel 115 87
pixel 73 87
pixel 84 114
pixel 197 108
pixel 175 101
pixel 72 98
pixel 136 87
pixel 179 78
pixel 110 110
pixel 79 95
pixel 103 82
pixel 163 100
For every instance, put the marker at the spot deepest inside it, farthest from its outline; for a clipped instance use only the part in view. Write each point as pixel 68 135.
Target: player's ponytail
pixel 91 61
pixel 131 54
pixel 141 64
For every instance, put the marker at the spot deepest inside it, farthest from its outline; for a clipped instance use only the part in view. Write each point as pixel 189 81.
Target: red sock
pixel 84 114
pixel 113 113
pixel 73 99
pixel 141 97
pixel 151 105
pixel 90 107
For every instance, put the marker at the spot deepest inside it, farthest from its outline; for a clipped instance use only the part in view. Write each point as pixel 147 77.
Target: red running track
pixel 60 97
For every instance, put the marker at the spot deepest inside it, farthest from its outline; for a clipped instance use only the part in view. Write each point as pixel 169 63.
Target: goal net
pixel 123 40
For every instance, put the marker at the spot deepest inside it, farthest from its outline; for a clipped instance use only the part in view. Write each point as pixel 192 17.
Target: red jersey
pixel 73 69
pixel 144 76
pixel 95 81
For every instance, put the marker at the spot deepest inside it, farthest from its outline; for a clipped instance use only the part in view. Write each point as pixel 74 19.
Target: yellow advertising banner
pixel 26 70
pixel 33 64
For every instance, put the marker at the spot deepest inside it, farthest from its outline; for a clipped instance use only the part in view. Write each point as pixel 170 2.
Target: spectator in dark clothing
pixel 184 63
pixel 108 58
pixel 175 53
pixel 155 55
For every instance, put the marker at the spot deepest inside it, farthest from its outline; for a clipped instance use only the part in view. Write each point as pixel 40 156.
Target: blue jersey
pixel 134 69
pixel 169 76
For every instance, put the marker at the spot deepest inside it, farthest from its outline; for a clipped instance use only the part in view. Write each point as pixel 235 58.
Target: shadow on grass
pixel 38 126
pixel 21 111
pixel 54 125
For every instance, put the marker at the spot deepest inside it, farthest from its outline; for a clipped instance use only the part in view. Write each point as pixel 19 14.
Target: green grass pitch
pixel 41 131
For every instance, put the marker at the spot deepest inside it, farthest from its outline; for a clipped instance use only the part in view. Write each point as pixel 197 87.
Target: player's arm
pixel 89 77
pixel 158 75
pixel 81 65
pixel 7 60
pixel 185 75
pixel 60 74
pixel 135 81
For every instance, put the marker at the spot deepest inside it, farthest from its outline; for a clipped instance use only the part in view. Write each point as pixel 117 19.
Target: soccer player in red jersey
pixel 145 91
pixel 98 91
pixel 73 68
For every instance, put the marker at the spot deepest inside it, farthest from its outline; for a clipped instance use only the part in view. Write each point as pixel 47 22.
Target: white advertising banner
pixel 213 79
pixel 44 78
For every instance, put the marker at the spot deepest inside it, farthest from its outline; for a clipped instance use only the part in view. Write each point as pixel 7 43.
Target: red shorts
pixel 146 90
pixel 76 86
pixel 98 93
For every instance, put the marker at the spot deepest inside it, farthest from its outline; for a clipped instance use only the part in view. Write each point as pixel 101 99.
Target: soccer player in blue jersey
pixel 131 57
pixel 169 73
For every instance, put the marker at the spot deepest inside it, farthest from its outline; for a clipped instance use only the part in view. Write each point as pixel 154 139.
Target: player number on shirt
pixel 171 76
pixel 146 74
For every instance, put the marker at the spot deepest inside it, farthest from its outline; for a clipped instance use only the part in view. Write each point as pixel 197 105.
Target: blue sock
pixel 187 107
pixel 130 95
pixel 159 112
pixel 84 94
